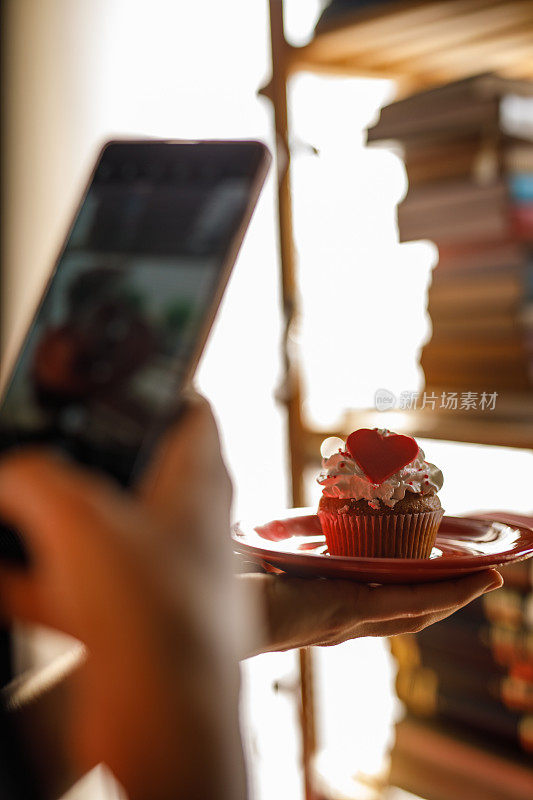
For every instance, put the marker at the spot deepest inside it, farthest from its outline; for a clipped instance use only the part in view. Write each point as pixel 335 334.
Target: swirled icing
pixel 342 477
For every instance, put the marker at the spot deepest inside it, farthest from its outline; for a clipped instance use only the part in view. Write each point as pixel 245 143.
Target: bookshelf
pixel 403 41
pixel 510 424
pixel 412 42
pixel 420 45
pixel 432 761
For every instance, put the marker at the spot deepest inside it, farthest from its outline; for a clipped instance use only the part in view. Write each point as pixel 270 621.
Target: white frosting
pixel 341 476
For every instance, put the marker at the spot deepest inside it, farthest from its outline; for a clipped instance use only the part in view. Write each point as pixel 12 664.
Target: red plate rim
pixel 461 562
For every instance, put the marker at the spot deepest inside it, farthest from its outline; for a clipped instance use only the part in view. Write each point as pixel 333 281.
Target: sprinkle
pixel 426 476
pixel 342 464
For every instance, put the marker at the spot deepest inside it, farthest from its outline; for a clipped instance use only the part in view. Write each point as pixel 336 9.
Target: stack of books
pixel 475 668
pixel 468 151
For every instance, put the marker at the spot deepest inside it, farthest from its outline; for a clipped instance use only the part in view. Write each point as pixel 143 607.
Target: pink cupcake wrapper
pixel 385 536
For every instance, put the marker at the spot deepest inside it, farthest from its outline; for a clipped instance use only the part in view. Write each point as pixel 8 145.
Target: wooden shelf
pixel 440 764
pixel 423 44
pixel 420 45
pixel 509 425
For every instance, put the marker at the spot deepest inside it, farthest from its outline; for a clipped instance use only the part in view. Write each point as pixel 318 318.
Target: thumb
pixel 22 598
pixel 188 456
pixel 45 497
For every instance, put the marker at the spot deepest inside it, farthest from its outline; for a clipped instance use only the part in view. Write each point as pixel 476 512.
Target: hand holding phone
pixel 128 308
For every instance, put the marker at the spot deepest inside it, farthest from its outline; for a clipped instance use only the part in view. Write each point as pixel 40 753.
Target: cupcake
pixel 379 497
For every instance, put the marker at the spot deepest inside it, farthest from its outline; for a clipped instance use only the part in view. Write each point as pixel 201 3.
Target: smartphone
pixel 17 779
pixel 128 308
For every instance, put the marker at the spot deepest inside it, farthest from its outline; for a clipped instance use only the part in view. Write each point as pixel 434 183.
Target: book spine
pixel 512 349
pixel 460 117
pixel 491 718
pixel 519 575
pixel 478 329
pixel 448 197
pixel 522 221
pixel 468 639
pixel 480 696
pixel 521 187
pixel 509 607
pixel 488 381
pixel 487 253
pixel 501 290
pixel 459 231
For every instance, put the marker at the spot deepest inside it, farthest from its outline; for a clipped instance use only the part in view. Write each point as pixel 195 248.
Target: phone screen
pixel 132 294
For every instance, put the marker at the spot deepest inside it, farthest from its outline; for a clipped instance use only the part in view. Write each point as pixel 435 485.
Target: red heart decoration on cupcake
pixel 380 456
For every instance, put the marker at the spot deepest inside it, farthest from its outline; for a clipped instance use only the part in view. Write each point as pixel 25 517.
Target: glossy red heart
pixel 380 456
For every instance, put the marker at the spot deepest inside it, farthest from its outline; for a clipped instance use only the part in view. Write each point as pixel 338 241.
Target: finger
pixel 21 598
pixel 189 455
pixel 304 611
pixel 407 623
pixel 80 530
pixel 386 628
pixel 25 598
pixel 389 602
pixel 52 501
pixel 34 489
pixel 396 627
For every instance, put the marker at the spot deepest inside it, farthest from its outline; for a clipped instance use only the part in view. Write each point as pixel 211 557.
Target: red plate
pixel 294 543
